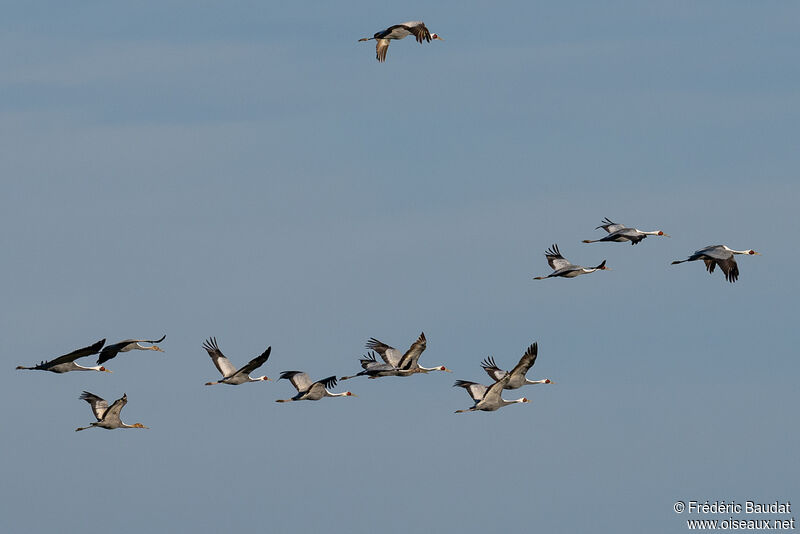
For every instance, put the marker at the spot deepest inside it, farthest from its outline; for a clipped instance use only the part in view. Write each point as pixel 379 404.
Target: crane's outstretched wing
pixel 418 30
pixel 730 268
pixel 493 393
pixel 610 226
pixel 112 350
pixel 491 368
pixel 256 362
pixel 475 390
pixel 98 404
pixel 411 358
pixel 328 383
pixel 381 46
pixel 300 380
pixel 389 354
pixel 527 360
pixel 555 259
pixel 222 363
pixel 112 414
pixel 75 354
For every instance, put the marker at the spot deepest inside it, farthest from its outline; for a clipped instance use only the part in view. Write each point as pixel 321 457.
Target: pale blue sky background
pixel 247 170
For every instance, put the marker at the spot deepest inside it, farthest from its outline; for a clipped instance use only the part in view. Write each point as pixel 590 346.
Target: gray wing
pixel 75 354
pixel 389 354
pixel 222 363
pixel 112 414
pixel 610 226
pixel 717 252
pixel 475 390
pixel 555 259
pixel 300 380
pixel 98 404
pixel 411 358
pixel 493 394
pixel 632 234
pixel 256 362
pixel 527 360
pixel 491 368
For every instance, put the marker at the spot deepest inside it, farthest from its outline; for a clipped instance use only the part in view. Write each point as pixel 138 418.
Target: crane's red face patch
pixel 660 232
pixel 752 252
pixel 547 381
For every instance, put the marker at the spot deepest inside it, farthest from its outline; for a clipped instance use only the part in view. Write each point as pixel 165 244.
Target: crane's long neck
pixel 257 379
pixel 737 251
pixel 545 381
pixel 95 368
pixel 515 401
pixel 329 394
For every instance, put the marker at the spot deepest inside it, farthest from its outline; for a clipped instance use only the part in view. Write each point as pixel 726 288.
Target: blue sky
pixel 250 172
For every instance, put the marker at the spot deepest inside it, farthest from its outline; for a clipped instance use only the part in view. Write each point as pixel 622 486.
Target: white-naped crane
pixel 107 416
pixel 109 351
pixel 619 233
pixel 66 363
pixel 308 390
pixel 408 362
pixel 231 375
pixel 399 31
pixel 487 398
pixel 719 255
pixel 518 378
pixel 375 369
pixel 564 269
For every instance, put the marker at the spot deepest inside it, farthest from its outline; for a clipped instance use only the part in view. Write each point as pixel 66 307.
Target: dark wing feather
pixel 368 359
pixel 527 360
pixel 110 351
pixel 420 32
pixel 491 368
pixel 256 362
pixel 555 259
pixel 730 268
pixel 411 357
pixel 223 364
pixel 329 382
pixel 75 354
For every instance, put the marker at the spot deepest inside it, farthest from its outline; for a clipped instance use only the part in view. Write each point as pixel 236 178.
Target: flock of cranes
pixel 393 362
pixel 713 255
